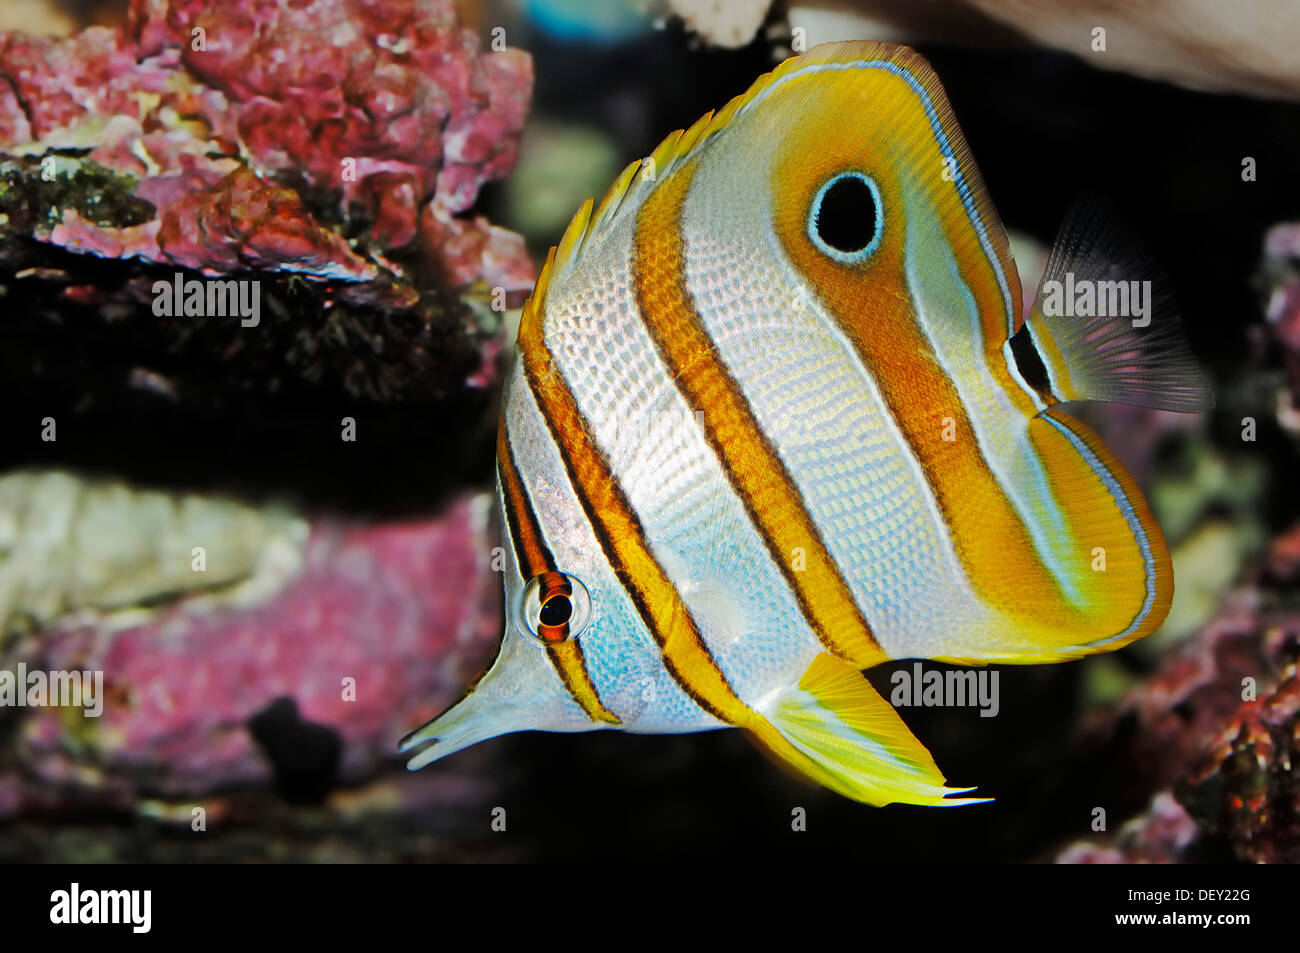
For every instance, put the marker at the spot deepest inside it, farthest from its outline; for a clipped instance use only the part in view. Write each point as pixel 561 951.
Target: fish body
pixel 775 417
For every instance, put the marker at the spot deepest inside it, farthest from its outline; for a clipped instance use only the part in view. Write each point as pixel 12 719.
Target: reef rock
pixel 328 149
pixel 307 680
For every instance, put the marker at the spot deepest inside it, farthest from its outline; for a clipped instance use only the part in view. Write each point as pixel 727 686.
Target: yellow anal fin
pixel 836 729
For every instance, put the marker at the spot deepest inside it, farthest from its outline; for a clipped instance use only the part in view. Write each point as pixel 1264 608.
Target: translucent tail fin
pixel 1104 322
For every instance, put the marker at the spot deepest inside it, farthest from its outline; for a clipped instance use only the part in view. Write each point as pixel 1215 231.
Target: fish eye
pixel 554 607
pixel 846 217
pixel 557 610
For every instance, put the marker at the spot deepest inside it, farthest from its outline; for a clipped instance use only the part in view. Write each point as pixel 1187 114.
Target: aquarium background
pixel 332 555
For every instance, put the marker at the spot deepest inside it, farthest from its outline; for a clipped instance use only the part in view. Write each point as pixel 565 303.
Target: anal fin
pixel 838 730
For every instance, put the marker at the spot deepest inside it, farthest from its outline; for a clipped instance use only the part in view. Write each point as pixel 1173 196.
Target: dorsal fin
pixel 633 182
pixel 678 147
pixel 625 192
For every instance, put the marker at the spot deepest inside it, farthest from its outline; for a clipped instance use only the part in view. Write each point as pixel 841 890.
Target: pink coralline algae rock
pixel 1198 686
pixel 239 223
pixel 244 223
pixel 394 84
pixel 1245 787
pixel 407 611
pixel 384 115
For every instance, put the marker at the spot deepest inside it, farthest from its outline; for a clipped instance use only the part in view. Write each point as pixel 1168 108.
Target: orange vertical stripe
pixel 619 531
pixel 756 471
pixel 621 536
pixel 870 304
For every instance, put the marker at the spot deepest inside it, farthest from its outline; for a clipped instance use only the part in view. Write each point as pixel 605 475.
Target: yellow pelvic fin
pixel 836 729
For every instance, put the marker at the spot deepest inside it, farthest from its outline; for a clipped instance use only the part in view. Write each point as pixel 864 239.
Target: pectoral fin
pixel 835 728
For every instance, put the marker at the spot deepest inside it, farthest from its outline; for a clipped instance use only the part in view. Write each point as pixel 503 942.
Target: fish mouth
pixel 448 733
pixel 497 704
pixel 477 717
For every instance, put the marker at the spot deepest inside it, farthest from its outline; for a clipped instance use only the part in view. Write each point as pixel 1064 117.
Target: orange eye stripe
pixel 535 559
pixel 757 474
pixel 554 583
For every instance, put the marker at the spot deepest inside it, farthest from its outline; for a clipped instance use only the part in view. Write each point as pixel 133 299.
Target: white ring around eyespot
pixel 524 611
pixel 848 257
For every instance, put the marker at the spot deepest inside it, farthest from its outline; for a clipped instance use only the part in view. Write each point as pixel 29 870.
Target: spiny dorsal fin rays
pixel 586 226
pixel 638 177
pixel 675 148
pixel 572 240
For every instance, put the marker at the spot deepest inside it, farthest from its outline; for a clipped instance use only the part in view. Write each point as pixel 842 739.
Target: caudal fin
pixel 835 728
pixel 1104 322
